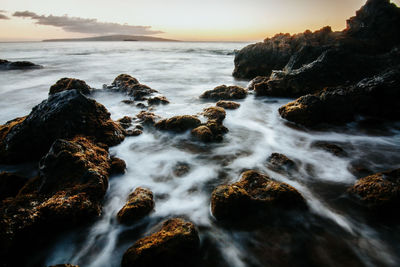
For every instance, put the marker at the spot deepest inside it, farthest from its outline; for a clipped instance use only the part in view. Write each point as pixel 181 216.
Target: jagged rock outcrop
pixel 62 115
pixel 18 65
pixel 140 203
pixel 72 181
pixel 306 63
pixel 375 96
pixel 254 196
pixel 175 244
pixel 66 84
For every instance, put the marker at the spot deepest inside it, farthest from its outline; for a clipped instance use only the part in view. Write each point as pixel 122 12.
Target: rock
pixel 181 169
pixel 212 131
pixel 18 65
pixel 274 53
pixel 228 104
pixel 215 113
pixel 203 133
pixel 330 147
pixel 118 166
pixel 125 122
pixel 140 203
pixel 128 102
pixel 306 63
pixel 379 192
pixel 72 182
pixel 131 86
pixel 134 132
pixel 66 84
pixel 254 196
pixel 147 118
pixel 279 162
pixel 178 123
pixel 224 92
pixel 257 80
pixel 375 96
pixel 10 184
pixel 175 244
pixel 157 100
pixel 62 115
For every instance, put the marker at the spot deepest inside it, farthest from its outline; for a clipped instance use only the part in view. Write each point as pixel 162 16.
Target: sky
pixel 187 20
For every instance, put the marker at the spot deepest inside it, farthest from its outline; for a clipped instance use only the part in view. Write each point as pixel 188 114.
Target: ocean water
pixel 333 234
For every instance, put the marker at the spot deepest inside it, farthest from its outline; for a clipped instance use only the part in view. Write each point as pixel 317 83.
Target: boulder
pixel 211 131
pixel 279 162
pixel 203 133
pixel 10 184
pixel 18 65
pixel 178 123
pixel 66 84
pixel 140 203
pixel 147 118
pixel 69 190
pixel 62 115
pixel 175 244
pixel 215 113
pixel 157 100
pixel 254 196
pixel 375 96
pixel 125 122
pixel 139 92
pixel 228 104
pixel 118 166
pixel 379 192
pixel 256 80
pixel 224 92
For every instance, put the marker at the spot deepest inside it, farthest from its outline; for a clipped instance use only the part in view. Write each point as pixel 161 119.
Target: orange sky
pixel 191 20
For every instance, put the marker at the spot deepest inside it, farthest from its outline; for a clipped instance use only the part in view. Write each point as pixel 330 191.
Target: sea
pixel 333 234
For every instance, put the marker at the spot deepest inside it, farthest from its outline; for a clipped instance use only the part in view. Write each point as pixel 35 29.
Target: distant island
pixel 113 38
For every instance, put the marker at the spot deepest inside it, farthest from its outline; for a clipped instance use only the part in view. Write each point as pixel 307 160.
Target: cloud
pixel 83 25
pixel 2 16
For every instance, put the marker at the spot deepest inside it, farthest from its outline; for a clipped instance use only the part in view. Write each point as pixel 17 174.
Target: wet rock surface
pixel 66 84
pixel 18 65
pixel 62 115
pixel 380 193
pixel 255 196
pixel 330 147
pixel 213 130
pixel 175 244
pixel 118 166
pixel 375 96
pixel 280 162
pixel 224 92
pixel 10 184
pixel 178 123
pixel 139 204
pixel 215 113
pixel 72 181
pixel 227 104
pixel 139 92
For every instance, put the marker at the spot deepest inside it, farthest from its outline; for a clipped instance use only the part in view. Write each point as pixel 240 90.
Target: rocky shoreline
pixel 337 77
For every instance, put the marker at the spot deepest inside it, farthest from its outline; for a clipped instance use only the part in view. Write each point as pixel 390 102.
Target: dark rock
pixel 175 244
pixel 181 169
pixel 66 84
pixel 140 203
pixel 131 86
pixel 379 192
pixel 10 184
pixel 279 162
pixel 375 96
pixel 147 118
pixel 203 133
pixel 257 80
pixel 178 123
pixel 227 104
pixel 18 65
pixel 330 147
pixel 141 105
pixel 157 100
pixel 134 132
pixel 255 195
pixel 215 113
pixel 128 102
pixel 224 92
pixel 359 168
pixel 211 131
pixel 62 115
pixel 72 181
pixel 118 166
pixel 64 265
pixel 125 122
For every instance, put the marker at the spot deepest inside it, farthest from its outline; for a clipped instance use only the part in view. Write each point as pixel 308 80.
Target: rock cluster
pixel 213 130
pixel 18 65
